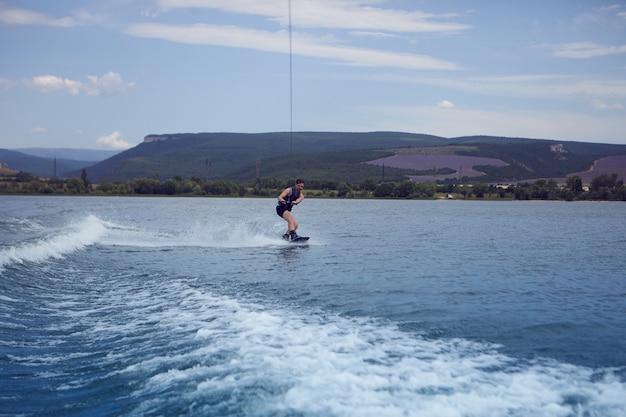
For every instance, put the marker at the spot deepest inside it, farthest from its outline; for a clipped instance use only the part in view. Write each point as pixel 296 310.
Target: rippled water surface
pixel 174 306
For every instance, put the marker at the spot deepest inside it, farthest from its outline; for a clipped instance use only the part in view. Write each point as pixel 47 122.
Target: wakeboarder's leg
pixel 292 224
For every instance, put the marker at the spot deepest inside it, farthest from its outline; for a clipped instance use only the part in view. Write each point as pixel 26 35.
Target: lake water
pixel 195 306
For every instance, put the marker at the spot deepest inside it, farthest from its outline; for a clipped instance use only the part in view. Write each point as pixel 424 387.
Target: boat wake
pixel 55 244
pixel 91 230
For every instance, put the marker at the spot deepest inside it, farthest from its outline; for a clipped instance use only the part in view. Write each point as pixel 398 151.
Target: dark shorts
pixel 281 208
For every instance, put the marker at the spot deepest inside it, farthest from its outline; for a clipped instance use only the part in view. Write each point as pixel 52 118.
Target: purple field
pixel 609 165
pixel 463 165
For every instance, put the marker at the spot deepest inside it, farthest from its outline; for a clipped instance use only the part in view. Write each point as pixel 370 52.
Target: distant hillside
pixel 343 166
pixel 515 159
pixel 7 172
pixel 73 154
pixel 608 166
pixel 350 157
pixel 42 167
pixel 342 156
pixel 507 162
pixel 223 155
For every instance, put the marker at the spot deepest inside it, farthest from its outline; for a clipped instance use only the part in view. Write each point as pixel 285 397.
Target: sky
pixel 96 74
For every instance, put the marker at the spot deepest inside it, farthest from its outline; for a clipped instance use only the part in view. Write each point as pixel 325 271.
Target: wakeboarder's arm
pixel 285 193
pixel 299 199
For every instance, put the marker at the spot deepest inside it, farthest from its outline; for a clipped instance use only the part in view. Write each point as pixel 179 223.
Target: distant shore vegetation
pixel 604 187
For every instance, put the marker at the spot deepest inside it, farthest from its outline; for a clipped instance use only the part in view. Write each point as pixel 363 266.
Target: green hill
pixel 325 155
pixel 345 166
pixel 235 155
pixel 43 167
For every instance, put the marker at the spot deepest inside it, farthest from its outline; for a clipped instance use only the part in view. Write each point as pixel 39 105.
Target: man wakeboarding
pixel 290 197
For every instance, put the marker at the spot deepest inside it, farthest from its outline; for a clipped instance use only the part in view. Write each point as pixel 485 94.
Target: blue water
pixel 196 307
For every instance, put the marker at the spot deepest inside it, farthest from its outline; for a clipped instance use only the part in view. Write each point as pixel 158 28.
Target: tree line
pixel 603 187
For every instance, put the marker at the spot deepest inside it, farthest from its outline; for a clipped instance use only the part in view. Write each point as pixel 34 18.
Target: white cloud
pixel 609 8
pixel 445 104
pixel 583 50
pixel 544 86
pixel 600 105
pixel 345 14
pixel 110 84
pixel 520 78
pixel 113 141
pixel 359 17
pixel 39 130
pixel 49 83
pixel 14 16
pixel 237 37
pixel 4 82
pixel 370 34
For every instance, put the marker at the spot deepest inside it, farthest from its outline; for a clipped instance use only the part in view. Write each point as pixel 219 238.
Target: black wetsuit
pixel 288 205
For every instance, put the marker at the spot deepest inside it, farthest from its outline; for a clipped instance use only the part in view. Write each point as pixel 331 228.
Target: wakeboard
pixel 299 239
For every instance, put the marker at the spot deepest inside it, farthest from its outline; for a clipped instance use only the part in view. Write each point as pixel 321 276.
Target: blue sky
pixel 104 74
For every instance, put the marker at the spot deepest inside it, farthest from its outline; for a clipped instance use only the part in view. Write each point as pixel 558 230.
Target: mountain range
pixel 340 156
